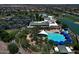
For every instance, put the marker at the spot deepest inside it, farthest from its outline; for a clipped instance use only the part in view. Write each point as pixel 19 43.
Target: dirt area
pixel 3 48
pixel 29 38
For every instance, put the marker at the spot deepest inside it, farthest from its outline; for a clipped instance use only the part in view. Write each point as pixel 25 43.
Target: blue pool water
pixel 56 37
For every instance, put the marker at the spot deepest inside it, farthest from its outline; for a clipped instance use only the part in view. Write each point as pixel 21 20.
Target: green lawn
pixel 12 31
pixel 71 17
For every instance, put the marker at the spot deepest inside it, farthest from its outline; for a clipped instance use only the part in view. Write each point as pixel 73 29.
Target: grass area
pixel 71 17
pixel 2 16
pixel 12 31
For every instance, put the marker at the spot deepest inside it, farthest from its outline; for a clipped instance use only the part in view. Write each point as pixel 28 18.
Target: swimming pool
pixel 56 37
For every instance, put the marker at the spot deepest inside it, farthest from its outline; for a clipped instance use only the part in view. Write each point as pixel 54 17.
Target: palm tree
pixel 36 16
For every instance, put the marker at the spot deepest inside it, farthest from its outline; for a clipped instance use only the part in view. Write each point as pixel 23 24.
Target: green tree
pixel 5 36
pixel 64 26
pixel 36 17
pixel 13 48
pixel 51 43
pixel 58 21
pixel 40 18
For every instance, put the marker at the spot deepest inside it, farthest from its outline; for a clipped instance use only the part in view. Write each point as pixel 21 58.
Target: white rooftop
pixel 51 17
pixel 53 24
pixel 68 49
pixel 43 32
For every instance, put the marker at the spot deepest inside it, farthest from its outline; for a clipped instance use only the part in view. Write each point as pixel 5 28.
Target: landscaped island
pixel 76 22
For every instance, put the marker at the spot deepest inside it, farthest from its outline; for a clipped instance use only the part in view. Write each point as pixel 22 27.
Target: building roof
pixel 39 23
pixel 51 17
pixel 64 49
pixel 53 24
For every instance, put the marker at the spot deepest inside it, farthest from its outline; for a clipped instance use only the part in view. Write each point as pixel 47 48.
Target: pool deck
pixel 53 30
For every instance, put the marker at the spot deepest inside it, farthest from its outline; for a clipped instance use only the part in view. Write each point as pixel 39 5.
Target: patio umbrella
pixel 43 32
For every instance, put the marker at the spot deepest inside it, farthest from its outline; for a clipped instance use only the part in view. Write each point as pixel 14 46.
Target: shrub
pixel 25 44
pixel 58 21
pixel 64 26
pixel 13 48
pixel 76 47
